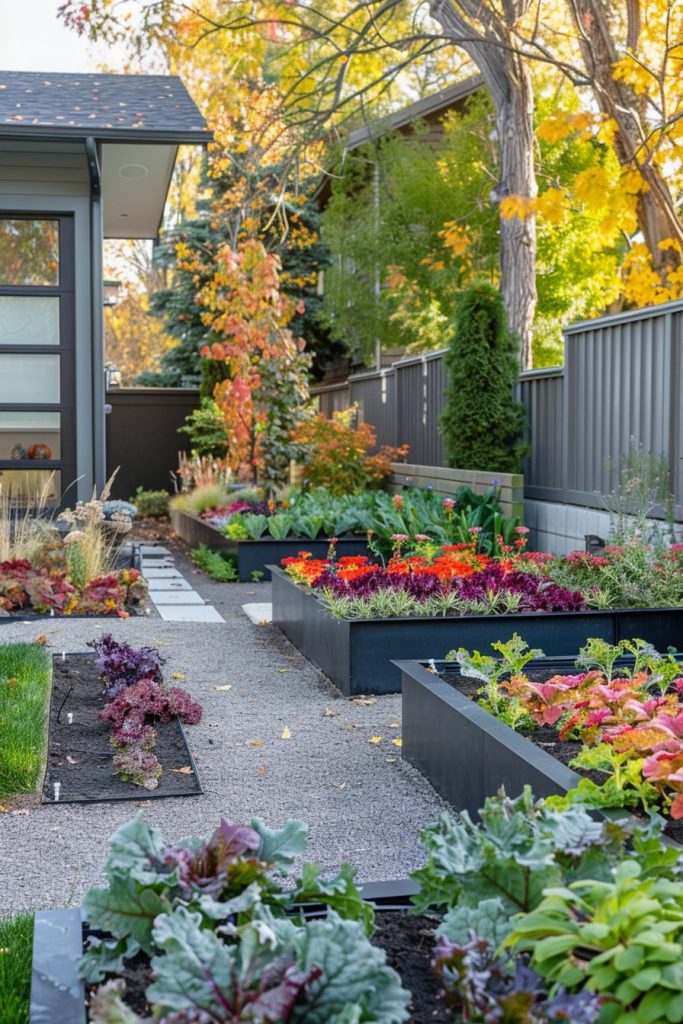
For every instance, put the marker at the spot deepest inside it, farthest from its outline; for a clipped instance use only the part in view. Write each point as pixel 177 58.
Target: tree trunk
pixel 514 117
pixel 509 82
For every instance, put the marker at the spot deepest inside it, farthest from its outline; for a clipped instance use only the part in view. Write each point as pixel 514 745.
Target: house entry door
pixel 37 357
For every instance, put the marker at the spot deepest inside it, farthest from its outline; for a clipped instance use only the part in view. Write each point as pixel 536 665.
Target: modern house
pixel 82 158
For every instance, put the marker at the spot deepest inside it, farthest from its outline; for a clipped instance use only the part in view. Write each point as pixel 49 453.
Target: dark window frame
pixel 66 349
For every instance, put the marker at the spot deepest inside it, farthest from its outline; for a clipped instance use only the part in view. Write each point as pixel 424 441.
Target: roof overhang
pixel 135 182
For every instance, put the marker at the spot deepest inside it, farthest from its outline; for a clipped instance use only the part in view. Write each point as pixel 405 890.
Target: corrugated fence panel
pixel 375 395
pixel 419 399
pixel 618 387
pixel 333 398
pixel 542 394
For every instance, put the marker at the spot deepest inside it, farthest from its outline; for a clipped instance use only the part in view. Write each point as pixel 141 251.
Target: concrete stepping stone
pixel 177 597
pixel 160 574
pixel 153 551
pixel 166 583
pixel 258 613
pixel 189 613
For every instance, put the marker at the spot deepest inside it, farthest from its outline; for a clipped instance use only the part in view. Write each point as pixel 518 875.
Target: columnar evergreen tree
pixel 482 426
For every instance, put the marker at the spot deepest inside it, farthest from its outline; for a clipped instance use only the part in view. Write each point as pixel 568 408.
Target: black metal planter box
pixel 257 555
pixel 466 753
pixel 58 994
pixel 358 654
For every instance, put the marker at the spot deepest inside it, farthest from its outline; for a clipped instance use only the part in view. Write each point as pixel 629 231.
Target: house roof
pixel 115 107
pixel 438 102
pixel 430 107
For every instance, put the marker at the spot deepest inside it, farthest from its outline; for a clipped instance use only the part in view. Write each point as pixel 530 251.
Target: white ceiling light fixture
pixel 131 171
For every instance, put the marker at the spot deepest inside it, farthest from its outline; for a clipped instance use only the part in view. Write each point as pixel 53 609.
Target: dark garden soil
pixel 407 940
pixel 546 737
pixel 80 755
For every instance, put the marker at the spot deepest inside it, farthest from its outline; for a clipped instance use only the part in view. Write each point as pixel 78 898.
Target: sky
pixel 32 38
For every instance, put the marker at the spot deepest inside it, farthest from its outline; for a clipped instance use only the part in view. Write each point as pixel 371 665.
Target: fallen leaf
pixel 390 760
pixel 364 700
pixel 185 770
pixel 394 725
pixel 71 760
pixel 338 785
pixel 226 686
pixel 398 742
pixel 352 725
pixel 375 739
pixel 255 743
pixel 250 592
pixel 177 675
pixel 214 725
pixel 329 713
pixel 266 622
pixel 280 669
pixel 262 770
pixel 41 640
pixel 286 733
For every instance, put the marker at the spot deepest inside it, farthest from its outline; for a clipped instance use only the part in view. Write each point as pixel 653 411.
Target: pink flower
pixel 422 536
pixel 474 530
pixel 448 503
pixel 400 538
pixel 521 530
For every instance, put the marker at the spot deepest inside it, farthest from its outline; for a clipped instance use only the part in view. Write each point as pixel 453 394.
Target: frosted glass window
pixel 29 379
pixel 29 252
pixel 30 435
pixel 29 320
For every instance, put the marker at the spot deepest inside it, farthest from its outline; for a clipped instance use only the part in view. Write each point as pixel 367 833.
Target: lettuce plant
pixel 121 665
pixel 619 937
pixel 130 711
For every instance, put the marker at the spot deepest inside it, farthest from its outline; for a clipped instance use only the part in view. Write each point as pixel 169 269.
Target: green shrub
pixel 16 949
pixel 206 429
pixel 214 565
pixel 481 426
pixel 151 504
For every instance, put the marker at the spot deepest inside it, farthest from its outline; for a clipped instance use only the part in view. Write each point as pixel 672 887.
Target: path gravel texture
pixel 362 803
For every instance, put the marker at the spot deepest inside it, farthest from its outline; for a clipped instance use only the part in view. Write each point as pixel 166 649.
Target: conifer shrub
pixel 482 427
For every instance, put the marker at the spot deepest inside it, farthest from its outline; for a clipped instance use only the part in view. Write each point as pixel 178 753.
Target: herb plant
pixel 213 564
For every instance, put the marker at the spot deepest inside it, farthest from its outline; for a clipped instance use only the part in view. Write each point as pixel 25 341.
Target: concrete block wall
pixel 559 529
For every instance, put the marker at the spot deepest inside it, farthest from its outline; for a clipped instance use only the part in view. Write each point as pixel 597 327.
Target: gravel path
pixel 361 801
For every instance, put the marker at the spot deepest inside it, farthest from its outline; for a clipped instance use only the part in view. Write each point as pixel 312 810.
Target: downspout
pixel 97 315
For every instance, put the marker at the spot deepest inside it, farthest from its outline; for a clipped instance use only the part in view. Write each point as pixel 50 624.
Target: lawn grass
pixel 16 949
pixel 24 686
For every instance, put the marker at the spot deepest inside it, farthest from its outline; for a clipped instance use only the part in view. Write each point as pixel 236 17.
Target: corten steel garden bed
pixel 358 654
pixel 58 994
pixel 467 753
pixel 257 555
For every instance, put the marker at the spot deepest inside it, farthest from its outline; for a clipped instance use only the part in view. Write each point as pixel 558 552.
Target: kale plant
pixel 121 665
pixel 265 970
pixel 223 879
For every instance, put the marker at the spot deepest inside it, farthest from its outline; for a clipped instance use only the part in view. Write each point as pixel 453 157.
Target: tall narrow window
pixel 37 349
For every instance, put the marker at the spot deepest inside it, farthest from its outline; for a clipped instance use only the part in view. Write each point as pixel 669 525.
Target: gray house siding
pixel 42 179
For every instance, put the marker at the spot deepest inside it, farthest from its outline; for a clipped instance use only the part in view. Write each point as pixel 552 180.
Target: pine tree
pixel 482 426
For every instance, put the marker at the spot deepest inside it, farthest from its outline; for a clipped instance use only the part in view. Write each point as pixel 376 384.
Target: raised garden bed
pixel 467 753
pixel 57 993
pixel 80 755
pixel 257 555
pixel 358 654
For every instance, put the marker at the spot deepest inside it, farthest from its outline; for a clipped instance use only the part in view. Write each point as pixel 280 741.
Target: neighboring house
pixel 430 112
pixel 82 158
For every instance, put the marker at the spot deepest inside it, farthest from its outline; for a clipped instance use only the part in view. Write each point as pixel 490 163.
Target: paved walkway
pixel 169 591
pixel 276 741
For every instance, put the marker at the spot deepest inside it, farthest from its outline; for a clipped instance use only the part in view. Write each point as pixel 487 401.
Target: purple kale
pixel 215 866
pixel 481 986
pixel 133 708
pixel 121 665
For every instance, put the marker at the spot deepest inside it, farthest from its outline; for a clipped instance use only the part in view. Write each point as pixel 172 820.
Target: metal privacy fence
pixel 622 380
